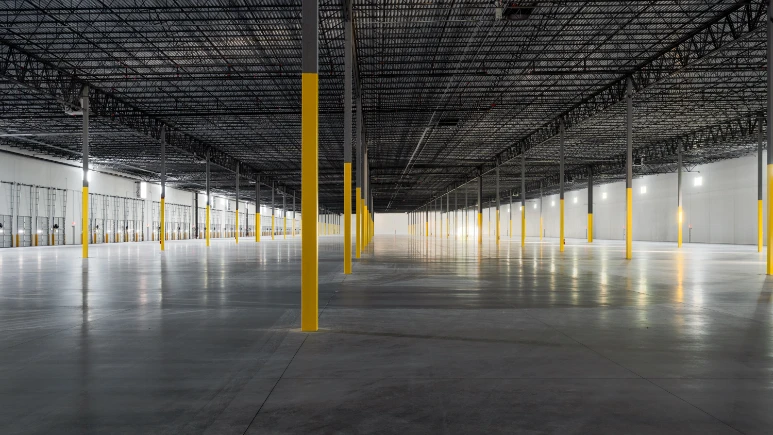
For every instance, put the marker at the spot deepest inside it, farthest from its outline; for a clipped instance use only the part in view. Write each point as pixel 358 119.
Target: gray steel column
pixel 293 225
pixel 629 170
pixel 284 215
pixel 195 215
pixel 273 211
pixel 85 193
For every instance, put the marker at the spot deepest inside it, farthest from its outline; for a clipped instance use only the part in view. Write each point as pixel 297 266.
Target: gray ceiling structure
pixel 449 90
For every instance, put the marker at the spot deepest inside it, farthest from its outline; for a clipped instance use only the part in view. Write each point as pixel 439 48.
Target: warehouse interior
pixel 358 216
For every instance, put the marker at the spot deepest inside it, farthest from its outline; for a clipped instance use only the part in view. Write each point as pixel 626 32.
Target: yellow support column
pixel 273 226
pixel 770 205
pixel 480 227
pixel 590 228
pixel 628 223
pixel 284 229
pixel 236 233
pixel 84 220
pixel 679 229
pixel 348 216
pixel 310 169
pixel 497 227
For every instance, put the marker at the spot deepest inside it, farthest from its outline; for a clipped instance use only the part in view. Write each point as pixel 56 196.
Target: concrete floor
pixel 425 337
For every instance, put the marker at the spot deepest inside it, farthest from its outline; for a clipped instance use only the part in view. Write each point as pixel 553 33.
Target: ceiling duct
pixel 515 10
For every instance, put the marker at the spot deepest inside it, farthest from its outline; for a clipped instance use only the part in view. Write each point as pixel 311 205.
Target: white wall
pixel 25 170
pixel 722 210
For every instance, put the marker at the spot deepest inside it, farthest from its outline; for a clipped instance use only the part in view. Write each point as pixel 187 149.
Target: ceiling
pixel 449 91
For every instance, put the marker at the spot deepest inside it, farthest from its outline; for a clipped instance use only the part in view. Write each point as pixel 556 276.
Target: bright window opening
pixel 698 181
pixel 643 189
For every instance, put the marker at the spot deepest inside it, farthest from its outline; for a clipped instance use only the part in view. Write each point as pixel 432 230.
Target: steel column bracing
pixel 85 191
pixel 679 209
pixel 310 167
pixel 590 205
pixel 629 171
pixel 760 181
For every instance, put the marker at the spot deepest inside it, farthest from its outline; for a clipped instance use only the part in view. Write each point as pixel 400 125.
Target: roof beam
pixel 739 20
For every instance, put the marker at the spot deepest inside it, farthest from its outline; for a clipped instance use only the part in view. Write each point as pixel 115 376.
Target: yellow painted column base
pixel 163 229
pixel 590 227
pixel 84 222
pixel 497 232
pixel 523 227
pixel 629 223
pixel 679 216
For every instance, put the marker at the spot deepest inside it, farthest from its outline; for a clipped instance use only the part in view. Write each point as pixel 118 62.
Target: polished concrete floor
pixel 427 336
